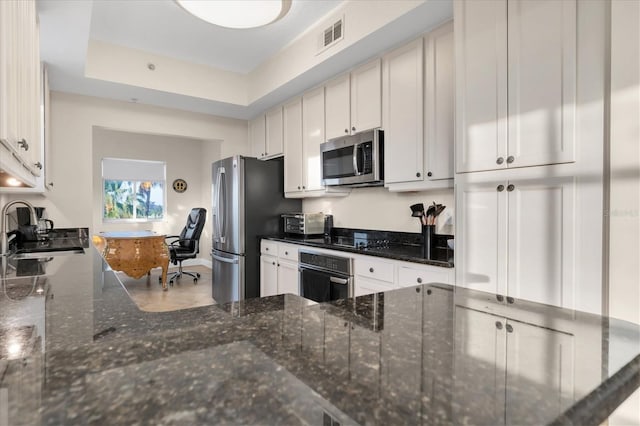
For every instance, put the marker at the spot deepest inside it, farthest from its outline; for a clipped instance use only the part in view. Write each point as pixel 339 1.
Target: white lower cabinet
pixel 278 268
pixel 365 285
pixel 516 238
pixel 268 275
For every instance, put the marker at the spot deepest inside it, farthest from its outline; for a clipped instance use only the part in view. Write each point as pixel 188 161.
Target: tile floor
pixel 148 294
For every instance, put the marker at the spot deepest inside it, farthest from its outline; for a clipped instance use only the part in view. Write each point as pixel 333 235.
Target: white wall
pixel 624 217
pixel 70 203
pixel 377 208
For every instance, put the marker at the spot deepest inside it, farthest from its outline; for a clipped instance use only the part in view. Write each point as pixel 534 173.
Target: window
pixel 133 190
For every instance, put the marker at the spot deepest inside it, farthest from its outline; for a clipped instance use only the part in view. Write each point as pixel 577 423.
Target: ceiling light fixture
pixel 235 13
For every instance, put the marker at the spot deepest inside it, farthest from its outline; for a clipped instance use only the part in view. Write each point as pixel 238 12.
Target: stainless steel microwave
pixel 355 160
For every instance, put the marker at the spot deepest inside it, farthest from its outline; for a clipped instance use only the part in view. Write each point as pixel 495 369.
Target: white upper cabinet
pixel 353 102
pixel 257 136
pixel 266 134
pixel 515 83
pixel 366 97
pixel 312 137
pixel 293 165
pixel 273 133
pixel 402 106
pixel 20 86
pixel 303 133
pixel 418 105
pixel 337 108
pixel 439 101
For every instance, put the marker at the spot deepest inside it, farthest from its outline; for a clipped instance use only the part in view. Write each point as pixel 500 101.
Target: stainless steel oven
pixel 355 160
pixel 325 277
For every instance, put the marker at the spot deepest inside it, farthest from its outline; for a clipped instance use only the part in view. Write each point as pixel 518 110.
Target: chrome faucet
pixel 3 222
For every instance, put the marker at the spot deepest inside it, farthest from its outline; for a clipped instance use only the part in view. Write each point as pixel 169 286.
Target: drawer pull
pixel 286 253
pixel 419 280
pixel 371 270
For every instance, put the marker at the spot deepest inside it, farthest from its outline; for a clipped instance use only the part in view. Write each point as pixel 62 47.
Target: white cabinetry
pixel 374 275
pixel 337 107
pixel 515 101
pixel 516 238
pixel 303 134
pixel 266 134
pixel 20 86
pixel 418 99
pixel 402 108
pixel 353 102
pixel 278 268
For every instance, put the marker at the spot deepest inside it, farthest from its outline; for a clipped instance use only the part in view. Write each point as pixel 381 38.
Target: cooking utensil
pixel 417 210
pixel 438 210
pixel 430 212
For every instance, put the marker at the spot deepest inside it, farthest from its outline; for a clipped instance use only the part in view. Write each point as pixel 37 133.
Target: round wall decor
pixel 179 185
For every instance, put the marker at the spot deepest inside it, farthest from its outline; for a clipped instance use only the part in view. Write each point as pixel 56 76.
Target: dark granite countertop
pixel 74 349
pixel 408 252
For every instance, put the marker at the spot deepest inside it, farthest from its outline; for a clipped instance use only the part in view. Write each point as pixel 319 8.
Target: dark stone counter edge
pixel 383 254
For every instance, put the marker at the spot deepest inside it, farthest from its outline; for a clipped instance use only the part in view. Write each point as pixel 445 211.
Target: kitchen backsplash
pixel 377 208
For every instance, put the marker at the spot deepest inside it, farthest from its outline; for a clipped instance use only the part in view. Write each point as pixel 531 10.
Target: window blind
pixel 136 170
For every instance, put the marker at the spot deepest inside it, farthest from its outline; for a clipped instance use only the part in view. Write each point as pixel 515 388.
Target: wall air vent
pixel 331 35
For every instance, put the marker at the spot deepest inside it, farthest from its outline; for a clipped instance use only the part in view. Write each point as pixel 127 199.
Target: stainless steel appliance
pixel 355 160
pixel 304 223
pixel 248 200
pixel 325 277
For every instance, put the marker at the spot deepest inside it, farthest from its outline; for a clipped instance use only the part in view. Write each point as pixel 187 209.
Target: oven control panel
pixel 327 262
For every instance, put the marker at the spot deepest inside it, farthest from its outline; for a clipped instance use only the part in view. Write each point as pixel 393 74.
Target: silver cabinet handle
pixel 510 159
pixel 500 160
pixel 371 270
pixel 23 144
pixel 511 187
pixel 500 188
pixel 338 280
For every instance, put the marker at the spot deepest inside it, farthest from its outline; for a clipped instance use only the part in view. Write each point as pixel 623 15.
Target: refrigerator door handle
pixel 218 237
pixel 224 259
pixel 222 211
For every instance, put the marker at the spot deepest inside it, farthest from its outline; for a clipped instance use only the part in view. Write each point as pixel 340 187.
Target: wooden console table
pixel 135 253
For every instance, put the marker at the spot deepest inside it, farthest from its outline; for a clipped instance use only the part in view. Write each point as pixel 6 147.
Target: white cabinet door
pixel 541 252
pixel 516 84
pixel 366 97
pixel 410 276
pixel 439 96
pixel 292 118
pixel 257 136
pixel 312 137
pixel 337 107
pixel 481 84
pixel 268 276
pixel 288 277
pixel 542 82
pixel 481 236
pixel 273 132
pixel 402 93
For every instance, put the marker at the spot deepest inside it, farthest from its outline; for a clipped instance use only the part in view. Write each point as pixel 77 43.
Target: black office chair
pixel 186 245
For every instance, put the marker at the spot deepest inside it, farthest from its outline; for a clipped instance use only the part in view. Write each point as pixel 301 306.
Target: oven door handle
pixel 336 280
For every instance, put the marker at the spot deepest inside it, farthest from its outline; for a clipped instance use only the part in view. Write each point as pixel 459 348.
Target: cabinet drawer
pixel 416 276
pixel 269 247
pixel 288 251
pixel 364 286
pixel 376 269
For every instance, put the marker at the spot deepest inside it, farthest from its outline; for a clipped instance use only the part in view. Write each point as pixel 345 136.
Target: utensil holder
pixel 427 234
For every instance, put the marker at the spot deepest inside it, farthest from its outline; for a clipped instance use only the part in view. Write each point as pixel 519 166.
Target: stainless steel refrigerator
pixel 248 199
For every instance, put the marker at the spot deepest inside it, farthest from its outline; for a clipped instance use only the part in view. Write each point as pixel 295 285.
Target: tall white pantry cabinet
pixel 529 149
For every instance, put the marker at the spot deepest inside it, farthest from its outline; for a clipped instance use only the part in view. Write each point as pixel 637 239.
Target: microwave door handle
pixel 336 280
pixel 356 147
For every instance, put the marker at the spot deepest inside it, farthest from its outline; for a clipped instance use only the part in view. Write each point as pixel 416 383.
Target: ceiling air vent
pixel 331 35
